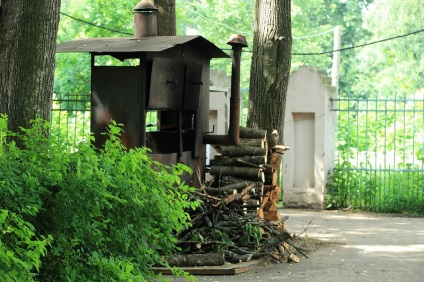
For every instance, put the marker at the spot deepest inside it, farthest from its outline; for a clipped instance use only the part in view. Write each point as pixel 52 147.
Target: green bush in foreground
pixel 87 215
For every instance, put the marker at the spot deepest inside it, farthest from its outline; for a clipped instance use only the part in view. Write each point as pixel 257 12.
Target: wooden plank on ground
pixel 227 269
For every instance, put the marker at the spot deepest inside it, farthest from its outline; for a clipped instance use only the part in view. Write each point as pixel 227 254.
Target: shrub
pixel 111 213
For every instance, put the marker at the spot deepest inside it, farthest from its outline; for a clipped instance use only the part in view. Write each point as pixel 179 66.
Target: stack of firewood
pixel 222 231
pixel 238 218
pixel 255 160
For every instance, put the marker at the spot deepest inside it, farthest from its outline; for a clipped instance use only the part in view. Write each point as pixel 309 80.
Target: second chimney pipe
pixel 145 19
pixel 233 138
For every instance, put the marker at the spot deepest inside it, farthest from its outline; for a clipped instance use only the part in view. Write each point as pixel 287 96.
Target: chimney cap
pixel 236 39
pixel 144 6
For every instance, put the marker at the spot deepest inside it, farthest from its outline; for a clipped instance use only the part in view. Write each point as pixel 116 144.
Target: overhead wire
pixel 294 54
pixel 359 46
pixel 95 25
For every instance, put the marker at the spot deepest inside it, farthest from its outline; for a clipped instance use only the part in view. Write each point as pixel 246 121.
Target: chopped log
pixel 279 149
pixel 238 196
pixel 236 258
pixel 252 205
pixel 209 259
pixel 227 188
pixel 227 180
pixel 268 169
pixel 253 202
pixel 252 142
pixel 275 161
pixel 260 213
pixel 271 179
pixel 246 132
pixel 274 195
pixel 294 258
pixel 270 206
pixel 207 196
pixel 241 151
pixel 269 187
pixel 242 172
pixel 256 160
pixel 271 215
pixel 243 163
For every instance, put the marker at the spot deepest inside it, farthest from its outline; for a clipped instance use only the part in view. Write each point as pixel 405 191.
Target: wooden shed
pixel 168 76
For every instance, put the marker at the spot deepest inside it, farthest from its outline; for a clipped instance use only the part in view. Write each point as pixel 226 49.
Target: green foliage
pixel 91 214
pixel 20 249
pixel 338 186
pixel 396 64
pixel 374 189
pixel 251 233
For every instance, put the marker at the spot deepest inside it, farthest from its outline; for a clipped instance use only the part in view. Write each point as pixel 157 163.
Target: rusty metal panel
pixel 165 142
pixel 145 44
pixel 116 95
pixel 193 85
pixel 167 84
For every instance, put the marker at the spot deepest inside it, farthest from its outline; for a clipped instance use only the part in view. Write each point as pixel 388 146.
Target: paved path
pixel 364 247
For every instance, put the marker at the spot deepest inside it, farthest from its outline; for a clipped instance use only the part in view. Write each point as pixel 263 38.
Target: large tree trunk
pixel 167 24
pixel 270 65
pixel 27 59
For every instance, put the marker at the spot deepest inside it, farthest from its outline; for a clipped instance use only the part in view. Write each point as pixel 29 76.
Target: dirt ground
pixel 347 246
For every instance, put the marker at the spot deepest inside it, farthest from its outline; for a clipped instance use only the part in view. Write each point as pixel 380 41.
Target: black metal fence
pixel 70 119
pixel 380 148
pixel 380 153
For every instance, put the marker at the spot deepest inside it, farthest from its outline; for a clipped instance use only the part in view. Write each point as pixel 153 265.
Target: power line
pixel 358 46
pixel 294 54
pixel 98 26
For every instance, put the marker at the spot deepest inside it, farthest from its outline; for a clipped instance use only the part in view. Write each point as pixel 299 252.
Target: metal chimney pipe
pixel 145 19
pixel 233 138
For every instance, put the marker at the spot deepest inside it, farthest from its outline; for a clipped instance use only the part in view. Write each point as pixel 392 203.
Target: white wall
pixel 219 101
pixel 309 131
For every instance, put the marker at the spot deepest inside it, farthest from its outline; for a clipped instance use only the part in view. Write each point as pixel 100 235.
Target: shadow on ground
pixel 346 246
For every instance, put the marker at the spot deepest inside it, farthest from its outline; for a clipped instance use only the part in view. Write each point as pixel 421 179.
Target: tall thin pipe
pixel 233 138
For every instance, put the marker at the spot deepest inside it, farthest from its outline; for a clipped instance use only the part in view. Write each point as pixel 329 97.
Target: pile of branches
pixel 225 229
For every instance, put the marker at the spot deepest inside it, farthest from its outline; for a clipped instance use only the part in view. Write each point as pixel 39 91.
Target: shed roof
pixel 132 44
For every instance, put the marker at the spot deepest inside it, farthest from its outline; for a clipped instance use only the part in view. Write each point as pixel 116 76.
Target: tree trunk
pixel 270 65
pixel 167 25
pixel 27 59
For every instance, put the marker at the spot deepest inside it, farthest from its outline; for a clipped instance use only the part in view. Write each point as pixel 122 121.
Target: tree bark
pixel 247 132
pixel 239 161
pixel 167 24
pixel 241 151
pixel 27 59
pixel 209 259
pixel 227 188
pixel 242 172
pixel 252 142
pixel 270 65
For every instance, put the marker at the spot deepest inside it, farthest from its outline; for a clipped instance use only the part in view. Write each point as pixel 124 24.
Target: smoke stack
pixel 145 19
pixel 233 138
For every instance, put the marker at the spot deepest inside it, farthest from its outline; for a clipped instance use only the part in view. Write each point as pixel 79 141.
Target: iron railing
pixel 380 148
pixel 70 119
pixel 380 145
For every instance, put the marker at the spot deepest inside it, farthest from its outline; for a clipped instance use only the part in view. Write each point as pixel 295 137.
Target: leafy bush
pixel 384 190
pixel 94 214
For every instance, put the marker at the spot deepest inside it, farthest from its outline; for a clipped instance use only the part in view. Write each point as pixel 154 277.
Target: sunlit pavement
pixel 361 247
